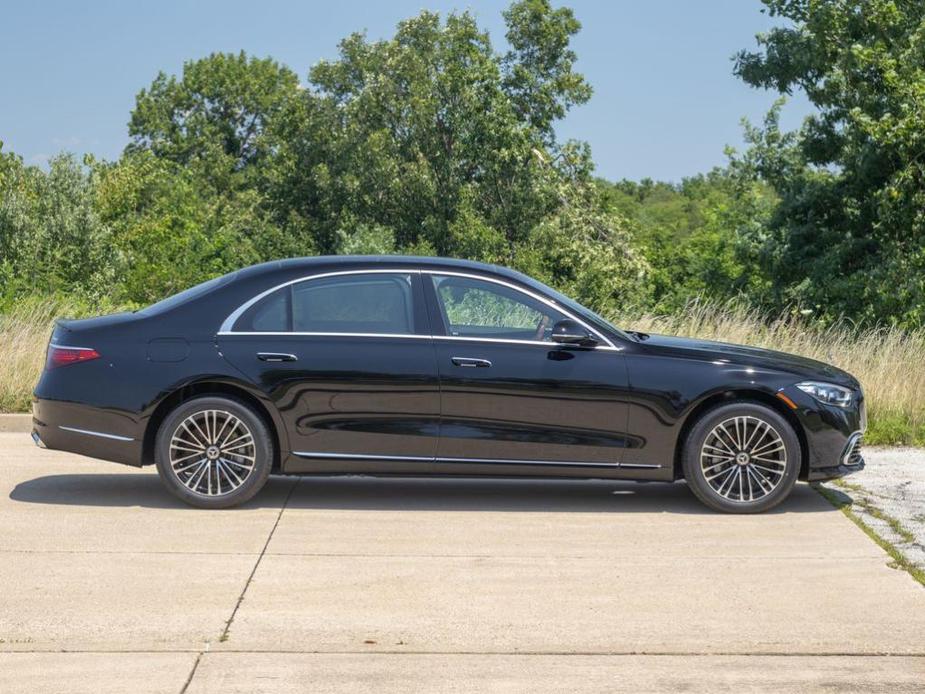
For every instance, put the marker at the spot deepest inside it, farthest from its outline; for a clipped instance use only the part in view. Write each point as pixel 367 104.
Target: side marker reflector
pixel 790 403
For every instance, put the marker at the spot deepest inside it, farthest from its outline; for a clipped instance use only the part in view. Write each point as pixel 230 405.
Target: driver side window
pixel 477 308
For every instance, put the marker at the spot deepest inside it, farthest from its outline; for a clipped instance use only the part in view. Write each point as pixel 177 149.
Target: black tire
pixel 705 465
pixel 233 464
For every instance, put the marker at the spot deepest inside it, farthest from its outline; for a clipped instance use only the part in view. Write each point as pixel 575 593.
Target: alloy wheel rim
pixel 743 459
pixel 212 453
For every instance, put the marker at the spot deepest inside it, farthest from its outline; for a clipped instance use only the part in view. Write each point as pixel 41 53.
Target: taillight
pixel 62 356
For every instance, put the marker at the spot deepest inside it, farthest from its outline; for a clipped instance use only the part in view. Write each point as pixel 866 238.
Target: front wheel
pixel 741 458
pixel 213 452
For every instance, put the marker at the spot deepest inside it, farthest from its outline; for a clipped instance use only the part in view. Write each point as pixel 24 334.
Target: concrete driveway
pixel 346 585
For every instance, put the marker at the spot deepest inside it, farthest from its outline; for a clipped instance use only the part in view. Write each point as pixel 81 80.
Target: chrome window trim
pixel 531 294
pixel 225 329
pixel 603 348
pixel 100 434
pixel 229 322
pixel 285 333
pixel 452 338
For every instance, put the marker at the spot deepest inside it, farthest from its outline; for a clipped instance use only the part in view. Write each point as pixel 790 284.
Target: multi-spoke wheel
pixel 741 457
pixel 214 452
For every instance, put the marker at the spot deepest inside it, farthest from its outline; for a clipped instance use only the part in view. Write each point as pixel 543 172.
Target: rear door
pixel 514 402
pixel 349 363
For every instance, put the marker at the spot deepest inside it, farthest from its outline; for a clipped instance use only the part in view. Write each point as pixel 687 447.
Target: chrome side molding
pixel 473 461
pixel 100 434
pixel 360 456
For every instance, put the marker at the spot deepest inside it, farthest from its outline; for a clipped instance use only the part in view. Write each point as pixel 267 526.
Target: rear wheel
pixel 741 458
pixel 213 452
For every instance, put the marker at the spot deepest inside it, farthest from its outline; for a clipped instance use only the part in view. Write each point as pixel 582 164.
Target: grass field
pixel 889 362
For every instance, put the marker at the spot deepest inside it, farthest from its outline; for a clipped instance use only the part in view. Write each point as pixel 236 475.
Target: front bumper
pixel 851 461
pixel 832 435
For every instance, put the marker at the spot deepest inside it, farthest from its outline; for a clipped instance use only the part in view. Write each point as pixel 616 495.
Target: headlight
pixel 828 393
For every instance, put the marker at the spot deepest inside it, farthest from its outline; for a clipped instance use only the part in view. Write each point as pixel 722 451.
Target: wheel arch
pixel 205 387
pixel 740 395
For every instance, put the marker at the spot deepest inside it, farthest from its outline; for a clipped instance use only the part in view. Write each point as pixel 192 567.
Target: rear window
pixel 187 295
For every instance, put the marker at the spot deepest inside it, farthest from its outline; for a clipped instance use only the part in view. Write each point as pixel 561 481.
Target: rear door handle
pixel 469 361
pixel 276 356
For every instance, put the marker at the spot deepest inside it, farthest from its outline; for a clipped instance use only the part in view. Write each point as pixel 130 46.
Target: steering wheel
pixel 540 333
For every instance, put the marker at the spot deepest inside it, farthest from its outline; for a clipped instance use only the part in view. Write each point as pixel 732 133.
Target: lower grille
pixel 852 453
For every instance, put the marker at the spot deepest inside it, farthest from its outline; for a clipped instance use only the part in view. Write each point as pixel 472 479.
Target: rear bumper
pixel 75 428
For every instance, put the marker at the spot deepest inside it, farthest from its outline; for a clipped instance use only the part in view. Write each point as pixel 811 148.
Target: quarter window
pixel 377 303
pixel 476 308
pixel 272 314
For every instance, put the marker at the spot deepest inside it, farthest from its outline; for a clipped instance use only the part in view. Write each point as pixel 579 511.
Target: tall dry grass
pixel 889 362
pixel 24 331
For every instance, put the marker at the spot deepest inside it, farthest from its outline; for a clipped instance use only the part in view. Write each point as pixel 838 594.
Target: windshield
pixel 187 294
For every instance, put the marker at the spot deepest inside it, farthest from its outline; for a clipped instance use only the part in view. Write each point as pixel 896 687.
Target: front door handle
pixel 469 361
pixel 276 356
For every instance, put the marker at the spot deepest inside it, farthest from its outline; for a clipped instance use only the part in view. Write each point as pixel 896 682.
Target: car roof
pixel 361 261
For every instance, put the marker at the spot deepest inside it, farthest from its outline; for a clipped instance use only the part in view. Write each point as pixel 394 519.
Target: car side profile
pixel 429 366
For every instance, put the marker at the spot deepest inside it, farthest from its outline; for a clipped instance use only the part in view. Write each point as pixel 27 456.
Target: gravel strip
pixel 889 495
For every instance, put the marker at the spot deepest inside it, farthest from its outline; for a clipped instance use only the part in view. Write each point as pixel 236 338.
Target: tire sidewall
pixel 693 444
pixel 262 444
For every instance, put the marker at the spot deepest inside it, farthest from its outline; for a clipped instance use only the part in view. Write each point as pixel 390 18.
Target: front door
pixel 348 361
pixel 512 401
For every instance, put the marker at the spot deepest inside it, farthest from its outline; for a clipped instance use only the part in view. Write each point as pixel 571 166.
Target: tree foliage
pixel 848 235
pixel 222 111
pixel 51 235
pixel 435 141
pixel 429 135
pixel 428 142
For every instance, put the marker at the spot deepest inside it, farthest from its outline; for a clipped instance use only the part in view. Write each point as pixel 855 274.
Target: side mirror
pixel 568 332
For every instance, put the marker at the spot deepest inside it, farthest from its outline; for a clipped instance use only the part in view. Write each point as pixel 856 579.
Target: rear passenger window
pixel 376 303
pixel 373 303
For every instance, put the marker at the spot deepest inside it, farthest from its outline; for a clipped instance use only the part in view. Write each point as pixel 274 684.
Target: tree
pixel 848 235
pixel 192 196
pixel 51 237
pixel 431 127
pixel 173 231
pixel 224 107
pixel 697 236
pixel 538 74
pixel 428 142
pixel 407 132
pixel 586 252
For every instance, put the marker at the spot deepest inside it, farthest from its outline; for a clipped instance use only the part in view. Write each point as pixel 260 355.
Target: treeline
pixel 435 142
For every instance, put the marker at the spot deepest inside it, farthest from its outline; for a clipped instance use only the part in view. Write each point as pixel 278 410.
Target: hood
pixel 802 367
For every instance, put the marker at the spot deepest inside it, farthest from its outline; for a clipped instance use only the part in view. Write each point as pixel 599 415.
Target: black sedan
pixel 429 366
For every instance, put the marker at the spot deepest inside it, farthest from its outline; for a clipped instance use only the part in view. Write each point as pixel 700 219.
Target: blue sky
pixel 665 102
